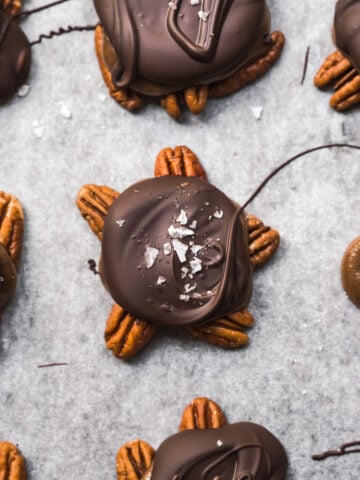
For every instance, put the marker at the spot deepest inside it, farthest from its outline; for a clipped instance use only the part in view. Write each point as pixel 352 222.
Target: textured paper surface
pixel 299 376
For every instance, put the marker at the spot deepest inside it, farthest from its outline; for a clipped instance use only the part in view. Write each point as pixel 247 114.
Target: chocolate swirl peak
pixel 242 451
pixel 15 56
pixel 175 251
pixel 7 277
pixel 347 29
pixel 178 42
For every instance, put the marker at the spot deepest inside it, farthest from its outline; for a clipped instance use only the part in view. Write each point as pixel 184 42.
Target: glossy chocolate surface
pixel 178 43
pixel 347 29
pixel 350 271
pixel 15 56
pixel 242 451
pixel 175 251
pixel 7 277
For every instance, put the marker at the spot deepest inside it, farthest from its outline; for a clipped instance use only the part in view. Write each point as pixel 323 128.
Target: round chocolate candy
pixel 350 271
pixel 347 29
pixel 163 46
pixel 241 451
pixel 175 251
pixel 15 56
pixel 7 277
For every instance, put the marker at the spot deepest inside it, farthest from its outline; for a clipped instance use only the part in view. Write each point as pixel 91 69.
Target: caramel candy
pixel 350 271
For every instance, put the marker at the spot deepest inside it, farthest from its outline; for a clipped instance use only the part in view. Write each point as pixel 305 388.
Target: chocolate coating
pixel 347 29
pixel 242 451
pixel 15 56
pixel 7 277
pixel 167 43
pixel 175 251
pixel 350 271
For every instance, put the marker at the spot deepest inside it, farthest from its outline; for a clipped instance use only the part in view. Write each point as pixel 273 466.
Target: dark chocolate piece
pixel 178 44
pixel 175 251
pixel 7 277
pixel 241 451
pixel 15 56
pixel 347 29
pixel 350 271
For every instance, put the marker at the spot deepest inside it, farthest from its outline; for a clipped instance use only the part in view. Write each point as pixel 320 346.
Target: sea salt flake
pixel 196 248
pixel 203 15
pixel 2 279
pixel 151 255
pixel 65 112
pixel 161 280
pixel 23 91
pixel 184 272
pixel 167 248
pixel 194 2
pixel 121 223
pixel 207 203
pixel 179 232
pixel 257 112
pixel 182 218
pixel 172 5
pixel 219 443
pixel 184 298
pixel 189 288
pixel 102 97
pixel 218 214
pixel 38 128
pixel 196 265
pixel 193 224
pixel 180 249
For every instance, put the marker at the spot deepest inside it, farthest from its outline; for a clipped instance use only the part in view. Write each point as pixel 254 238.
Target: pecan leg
pixel 134 459
pixel 263 241
pixel 178 161
pixel 125 335
pixel 347 95
pixel 11 225
pixel 11 7
pixel 171 105
pixel 227 332
pixel 251 72
pixel 333 67
pixel 125 96
pixel 201 414
pixel 196 98
pixel 94 202
pixel 12 463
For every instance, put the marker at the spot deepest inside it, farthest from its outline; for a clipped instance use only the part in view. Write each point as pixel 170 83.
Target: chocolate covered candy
pixel 175 251
pixel 15 56
pixel 242 451
pixel 347 29
pixel 7 277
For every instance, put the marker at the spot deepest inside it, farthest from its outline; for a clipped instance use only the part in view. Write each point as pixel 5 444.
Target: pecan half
pixel 133 460
pixel 11 225
pixel 226 332
pixel 251 72
pixel 11 7
pixel 333 67
pixel 94 202
pixel 348 94
pixel 196 98
pixel 125 96
pixel 263 241
pixel 178 161
pixel 12 463
pixel 171 105
pixel 125 335
pixel 202 413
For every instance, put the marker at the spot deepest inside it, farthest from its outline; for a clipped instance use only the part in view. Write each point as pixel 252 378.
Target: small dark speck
pixel 92 266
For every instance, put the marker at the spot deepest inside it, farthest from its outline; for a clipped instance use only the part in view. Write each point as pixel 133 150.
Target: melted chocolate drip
pixel 242 451
pixel 176 43
pixel 347 29
pixel 175 251
pixel 345 449
pixel 7 277
pixel 62 31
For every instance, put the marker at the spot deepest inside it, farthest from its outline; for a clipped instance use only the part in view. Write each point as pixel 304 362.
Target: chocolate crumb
pixel 52 365
pixel 92 266
pixel 306 61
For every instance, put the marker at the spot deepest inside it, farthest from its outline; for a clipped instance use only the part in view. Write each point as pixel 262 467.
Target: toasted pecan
pixel 178 161
pixel 12 463
pixel 263 241
pixel 133 460
pixel 202 413
pixel 11 225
